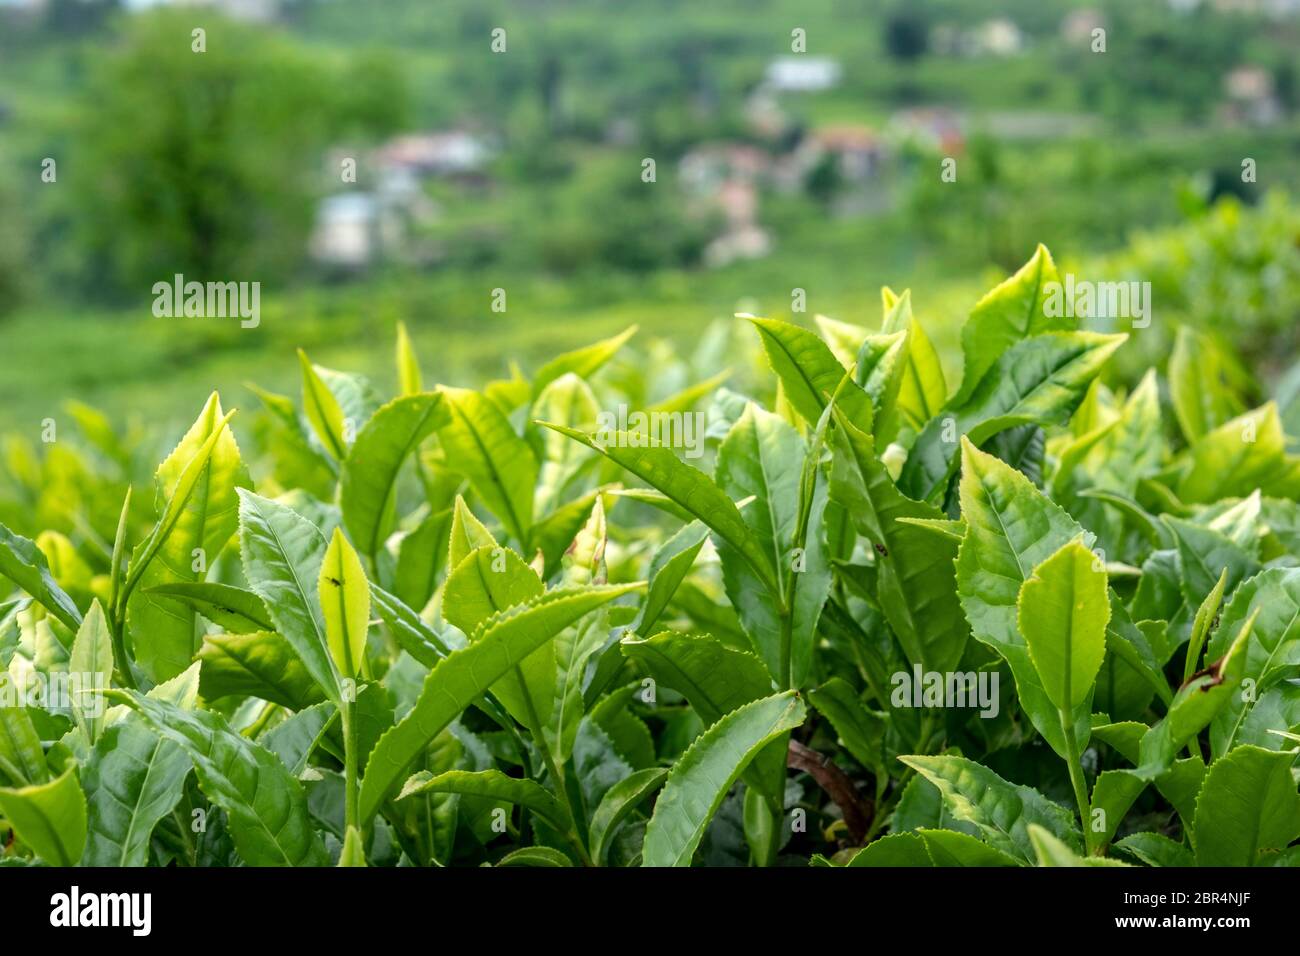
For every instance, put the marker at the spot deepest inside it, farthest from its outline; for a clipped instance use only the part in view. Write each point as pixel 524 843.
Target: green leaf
pixel 197 486
pixel 689 488
pixel 583 362
pixel 1272 651
pixel 322 410
pixel 132 779
pixel 810 373
pixel 461 677
pixel 1203 556
pixel 1062 612
pixel 24 564
pixel 535 856
pixel 421 559
pixel 1011 529
pixel 1053 852
pixel 1201 397
pixel 494 785
pixel 762 458
pixel 1015 310
pixel 258 664
pixel 232 608
pixel 49 817
pixel 266 807
pixel 860 730
pixel 368 480
pixel 1040 381
pixel 283 554
pixel 1247 804
pixel 700 779
pixel 1248 452
pixel 409 379
pixel 915 585
pixel 353 852
pixel 668 568
pixel 569 401
pixel 896 849
pixel 1196 704
pixel 479 443
pixel 345 604
pixel 91 663
pixel 1002 811
pixel 467 534
pixel 22 760
pixel 1205 616
pixel 1156 849
pixel 296 737
pixel 619 801
pixel 716 679
pixel 954 848
pixel 488 580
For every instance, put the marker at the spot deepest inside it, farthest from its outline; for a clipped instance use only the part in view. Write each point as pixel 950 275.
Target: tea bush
pixel 634 612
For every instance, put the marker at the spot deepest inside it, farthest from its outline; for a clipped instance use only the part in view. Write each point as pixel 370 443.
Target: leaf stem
pixel 348 714
pixel 1076 769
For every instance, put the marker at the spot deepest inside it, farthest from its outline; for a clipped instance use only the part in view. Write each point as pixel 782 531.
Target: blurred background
pixel 796 144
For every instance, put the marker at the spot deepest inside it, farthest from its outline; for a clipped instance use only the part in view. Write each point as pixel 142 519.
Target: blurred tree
pixel 906 34
pixel 207 163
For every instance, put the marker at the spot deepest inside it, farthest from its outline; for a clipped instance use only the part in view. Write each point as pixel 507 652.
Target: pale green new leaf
pixel 1062 612
pixel 91 663
pixel 1011 529
pixel 1013 311
pixel 688 487
pixel 345 604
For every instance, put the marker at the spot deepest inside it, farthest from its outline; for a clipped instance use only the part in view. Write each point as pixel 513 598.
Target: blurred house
pixel 1078 25
pixel 383 218
pixel 255 11
pixel 802 74
pixel 448 153
pixel 703 170
pixel 346 234
pixel 1251 96
pixel 935 129
pixel 999 36
pixel 857 151
pixel 723 180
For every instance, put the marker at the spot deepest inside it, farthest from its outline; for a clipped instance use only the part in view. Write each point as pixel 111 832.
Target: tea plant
pixel 846 615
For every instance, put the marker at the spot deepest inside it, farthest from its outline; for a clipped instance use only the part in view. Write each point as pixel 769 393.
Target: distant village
pixel 384 214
